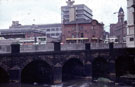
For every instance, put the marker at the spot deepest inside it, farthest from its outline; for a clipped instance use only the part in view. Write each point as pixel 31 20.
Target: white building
pixel 130 39
pixel 78 12
pixel 51 30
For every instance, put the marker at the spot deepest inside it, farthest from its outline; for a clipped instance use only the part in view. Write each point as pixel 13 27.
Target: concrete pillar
pixel 87 47
pixel 15 74
pixel 112 71
pixel 88 64
pixel 88 70
pixel 57 46
pixel 15 48
pixel 57 74
pixel 111 46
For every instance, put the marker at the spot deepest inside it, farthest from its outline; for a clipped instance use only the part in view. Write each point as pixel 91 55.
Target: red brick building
pixel 83 32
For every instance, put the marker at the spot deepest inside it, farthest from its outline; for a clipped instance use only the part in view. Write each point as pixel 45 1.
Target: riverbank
pixel 73 83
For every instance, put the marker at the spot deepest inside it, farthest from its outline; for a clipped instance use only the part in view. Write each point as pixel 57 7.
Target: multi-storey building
pixel 51 30
pixel 79 12
pixel 86 32
pixel 130 40
pixel 119 29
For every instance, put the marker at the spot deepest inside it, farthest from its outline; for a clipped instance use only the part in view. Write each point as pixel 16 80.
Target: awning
pixel 77 39
pixel 94 38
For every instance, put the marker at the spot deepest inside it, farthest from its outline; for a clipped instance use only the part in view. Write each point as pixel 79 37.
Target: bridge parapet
pixel 99 46
pixel 37 48
pixel 5 49
pixel 119 45
pixel 63 47
pixel 106 45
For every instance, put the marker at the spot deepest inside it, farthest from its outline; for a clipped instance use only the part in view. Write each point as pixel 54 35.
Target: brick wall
pixel 85 30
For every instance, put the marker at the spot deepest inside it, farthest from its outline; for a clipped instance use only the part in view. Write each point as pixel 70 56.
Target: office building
pixel 51 30
pixel 75 13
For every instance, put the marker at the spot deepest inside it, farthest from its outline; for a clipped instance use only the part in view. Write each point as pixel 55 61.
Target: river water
pixel 75 83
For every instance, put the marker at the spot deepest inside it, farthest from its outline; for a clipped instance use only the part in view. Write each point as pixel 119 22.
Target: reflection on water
pixel 75 83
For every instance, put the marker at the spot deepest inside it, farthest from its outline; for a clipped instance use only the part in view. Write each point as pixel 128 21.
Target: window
pixel 80 27
pixel 81 34
pixel 57 34
pixel 52 29
pixel 92 27
pixel 116 40
pixel 52 34
pixel 48 30
pixel 57 29
pixel 73 36
pixel 42 39
pixel 48 35
pixel 131 39
pixel 93 35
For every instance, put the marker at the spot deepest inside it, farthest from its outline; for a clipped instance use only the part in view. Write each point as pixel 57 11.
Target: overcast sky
pixel 49 11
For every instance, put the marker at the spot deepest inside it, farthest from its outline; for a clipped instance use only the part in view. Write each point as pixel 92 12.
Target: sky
pixel 29 12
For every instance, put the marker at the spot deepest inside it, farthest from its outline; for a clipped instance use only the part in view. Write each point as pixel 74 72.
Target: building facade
pixel 20 33
pixel 78 13
pixel 51 30
pixel 119 29
pixel 130 39
pixel 87 32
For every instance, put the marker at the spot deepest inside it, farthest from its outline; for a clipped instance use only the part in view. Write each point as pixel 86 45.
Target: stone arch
pixel 99 67
pixel 124 65
pixel 30 59
pixel 73 68
pixel 73 57
pixel 37 71
pixel 4 76
pixel 5 67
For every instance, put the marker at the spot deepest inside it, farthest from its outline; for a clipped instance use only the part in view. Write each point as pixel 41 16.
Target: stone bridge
pixel 55 63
